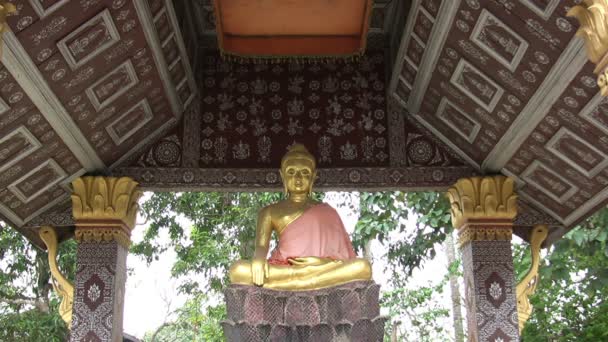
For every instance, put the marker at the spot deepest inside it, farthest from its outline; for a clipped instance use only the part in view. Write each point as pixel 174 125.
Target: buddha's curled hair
pixel 298 151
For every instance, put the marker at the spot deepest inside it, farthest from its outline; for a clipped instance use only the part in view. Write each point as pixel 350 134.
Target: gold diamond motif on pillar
pixel 105 208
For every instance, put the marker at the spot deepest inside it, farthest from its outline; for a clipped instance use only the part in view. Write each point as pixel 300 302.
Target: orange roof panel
pixel 292 28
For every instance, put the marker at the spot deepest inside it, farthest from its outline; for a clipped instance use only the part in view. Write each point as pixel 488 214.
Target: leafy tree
pixel 383 213
pixel 221 230
pixel 421 311
pixel 28 307
pixel 571 299
pixel 193 323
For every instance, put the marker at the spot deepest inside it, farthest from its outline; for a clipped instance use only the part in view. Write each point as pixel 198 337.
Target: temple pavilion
pixel 102 99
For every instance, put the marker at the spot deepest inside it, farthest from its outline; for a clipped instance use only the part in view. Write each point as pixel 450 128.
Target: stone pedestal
pixel 349 312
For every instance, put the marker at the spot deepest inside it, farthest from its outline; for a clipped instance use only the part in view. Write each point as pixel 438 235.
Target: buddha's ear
pixel 285 191
pixel 313 179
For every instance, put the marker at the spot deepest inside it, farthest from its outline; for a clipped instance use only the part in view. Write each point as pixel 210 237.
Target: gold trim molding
pixel 105 199
pixel 488 199
pixel 61 285
pixel 527 286
pixel 593 18
pixel 103 235
pixel 6 8
pixel 473 233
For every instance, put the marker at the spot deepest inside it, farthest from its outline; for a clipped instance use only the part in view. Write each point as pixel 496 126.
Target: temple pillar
pixel 105 209
pixel 483 209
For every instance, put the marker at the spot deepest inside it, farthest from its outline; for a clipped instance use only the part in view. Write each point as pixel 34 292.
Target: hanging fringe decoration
pixel 233 58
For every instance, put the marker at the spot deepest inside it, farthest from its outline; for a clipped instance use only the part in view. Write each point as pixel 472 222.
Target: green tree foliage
pixel 422 312
pixel 223 229
pixel 193 323
pixel 208 231
pixel 382 213
pixel 571 302
pixel 28 307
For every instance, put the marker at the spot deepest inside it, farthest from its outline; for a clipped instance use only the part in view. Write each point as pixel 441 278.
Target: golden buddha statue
pixel 313 251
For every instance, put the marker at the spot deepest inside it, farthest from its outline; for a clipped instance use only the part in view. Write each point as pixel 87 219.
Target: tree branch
pixel 163 326
pixel 16 296
pixel 19 301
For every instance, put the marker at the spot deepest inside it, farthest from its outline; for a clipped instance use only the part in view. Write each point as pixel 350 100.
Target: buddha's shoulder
pixel 277 206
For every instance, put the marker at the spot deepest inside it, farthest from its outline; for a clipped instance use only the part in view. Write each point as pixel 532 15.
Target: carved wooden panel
pixel 35 164
pixel 421 22
pixel 495 66
pixel 336 109
pixel 490 67
pixel 167 29
pixel 252 112
pixel 95 58
pixel 563 165
pixel 495 57
pixel 282 103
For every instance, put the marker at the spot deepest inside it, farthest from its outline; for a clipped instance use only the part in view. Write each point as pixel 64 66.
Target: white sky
pixel 151 293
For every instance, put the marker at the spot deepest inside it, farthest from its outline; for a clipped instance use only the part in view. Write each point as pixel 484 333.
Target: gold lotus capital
pixel 105 199
pixel 482 198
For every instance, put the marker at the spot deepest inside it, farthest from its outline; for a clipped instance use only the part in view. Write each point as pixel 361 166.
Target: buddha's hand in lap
pixel 259 271
pixel 309 261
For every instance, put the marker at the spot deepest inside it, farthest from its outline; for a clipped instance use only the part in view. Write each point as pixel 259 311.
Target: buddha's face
pixel 298 175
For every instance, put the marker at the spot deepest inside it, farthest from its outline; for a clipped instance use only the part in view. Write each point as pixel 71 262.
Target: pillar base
pixel 349 312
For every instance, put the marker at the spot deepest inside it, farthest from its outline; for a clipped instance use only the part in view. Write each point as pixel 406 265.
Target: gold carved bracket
pixel 593 18
pixel 527 286
pixel 61 285
pixel 6 8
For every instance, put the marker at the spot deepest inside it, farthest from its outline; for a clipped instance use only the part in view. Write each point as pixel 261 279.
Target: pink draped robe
pixel 319 232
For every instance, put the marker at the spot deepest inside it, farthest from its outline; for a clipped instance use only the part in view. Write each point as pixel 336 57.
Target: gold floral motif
pixel 593 17
pixel 100 200
pixel 528 284
pixel 472 233
pixel 6 8
pixel 482 198
pixel 103 235
pixel 62 286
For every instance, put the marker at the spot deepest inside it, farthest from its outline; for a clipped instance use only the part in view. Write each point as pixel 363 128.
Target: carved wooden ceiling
pixel 136 88
pixel 507 85
pixel 83 84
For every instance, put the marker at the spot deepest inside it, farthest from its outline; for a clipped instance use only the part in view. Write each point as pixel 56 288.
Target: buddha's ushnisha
pixel 313 251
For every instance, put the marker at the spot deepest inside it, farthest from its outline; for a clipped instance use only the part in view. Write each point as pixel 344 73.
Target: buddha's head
pixel 298 170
